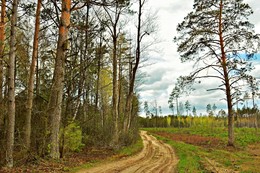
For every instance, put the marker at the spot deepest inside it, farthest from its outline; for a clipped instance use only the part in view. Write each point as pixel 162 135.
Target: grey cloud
pixel 155 76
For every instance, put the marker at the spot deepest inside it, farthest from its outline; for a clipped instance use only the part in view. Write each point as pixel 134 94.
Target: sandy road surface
pixel 156 157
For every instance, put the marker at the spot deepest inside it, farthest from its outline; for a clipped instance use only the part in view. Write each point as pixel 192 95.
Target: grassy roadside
pixel 120 153
pixel 210 153
pixel 189 160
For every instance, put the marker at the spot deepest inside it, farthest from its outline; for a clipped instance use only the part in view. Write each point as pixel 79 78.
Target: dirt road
pixel 156 157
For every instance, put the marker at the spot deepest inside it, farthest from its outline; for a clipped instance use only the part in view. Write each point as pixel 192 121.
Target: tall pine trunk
pixel 2 46
pixel 231 138
pixel 11 89
pixel 30 89
pixel 55 101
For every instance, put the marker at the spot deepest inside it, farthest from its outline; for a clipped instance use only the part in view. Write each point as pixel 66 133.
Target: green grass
pixel 246 136
pixel 243 136
pixel 193 158
pixel 189 160
pixel 132 149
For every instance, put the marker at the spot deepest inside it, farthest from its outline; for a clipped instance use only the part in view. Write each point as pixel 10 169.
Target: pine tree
pixel 11 88
pixel 218 34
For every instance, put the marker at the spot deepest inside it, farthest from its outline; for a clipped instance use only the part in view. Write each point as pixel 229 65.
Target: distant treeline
pixel 245 117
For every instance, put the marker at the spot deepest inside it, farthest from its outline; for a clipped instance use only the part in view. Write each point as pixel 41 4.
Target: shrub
pixel 73 137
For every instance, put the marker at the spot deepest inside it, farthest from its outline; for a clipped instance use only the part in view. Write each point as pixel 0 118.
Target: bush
pixel 73 137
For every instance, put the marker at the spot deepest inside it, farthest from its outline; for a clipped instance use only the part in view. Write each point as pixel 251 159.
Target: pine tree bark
pixel 231 137
pixel 30 89
pixel 2 46
pixel 11 89
pixel 55 101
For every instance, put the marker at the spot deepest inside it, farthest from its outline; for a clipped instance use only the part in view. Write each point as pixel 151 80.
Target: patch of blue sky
pixel 245 56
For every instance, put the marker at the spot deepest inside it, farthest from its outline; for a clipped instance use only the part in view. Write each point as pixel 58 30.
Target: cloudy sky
pixel 166 66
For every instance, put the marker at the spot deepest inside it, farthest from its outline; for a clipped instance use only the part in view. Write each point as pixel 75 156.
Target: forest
pixel 70 72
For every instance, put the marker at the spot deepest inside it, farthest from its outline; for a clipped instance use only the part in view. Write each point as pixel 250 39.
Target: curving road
pixel 156 157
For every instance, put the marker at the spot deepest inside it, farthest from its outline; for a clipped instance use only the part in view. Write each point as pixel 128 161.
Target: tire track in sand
pixel 156 157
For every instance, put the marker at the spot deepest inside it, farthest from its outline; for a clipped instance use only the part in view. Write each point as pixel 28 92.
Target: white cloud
pixel 162 75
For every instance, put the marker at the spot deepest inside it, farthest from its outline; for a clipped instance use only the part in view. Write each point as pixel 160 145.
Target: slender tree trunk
pixel 100 54
pixel 11 89
pixel 177 106
pixel 65 121
pixel 115 105
pixel 29 102
pixel 85 74
pixel 55 101
pixel 231 138
pixel 256 121
pixel 119 82
pixel 115 90
pixel 2 47
pixel 129 99
pixel 139 37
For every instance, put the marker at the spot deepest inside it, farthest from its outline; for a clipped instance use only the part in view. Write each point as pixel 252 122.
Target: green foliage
pixel 246 136
pixel 131 149
pixel 73 137
pixel 169 121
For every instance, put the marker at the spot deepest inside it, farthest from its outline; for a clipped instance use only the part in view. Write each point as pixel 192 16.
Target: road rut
pixel 156 157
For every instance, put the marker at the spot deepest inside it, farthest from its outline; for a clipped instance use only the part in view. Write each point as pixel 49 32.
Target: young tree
pixel 146 108
pixel 160 110
pixel 171 106
pixel 218 34
pixel 194 111
pixel 155 109
pixel 254 86
pixel 246 98
pixel 187 106
pixel 11 88
pixel 175 95
pixel 214 108
pixel 181 108
pixel 209 109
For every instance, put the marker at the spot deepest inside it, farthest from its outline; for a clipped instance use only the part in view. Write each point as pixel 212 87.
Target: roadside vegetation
pixel 204 149
pixel 75 161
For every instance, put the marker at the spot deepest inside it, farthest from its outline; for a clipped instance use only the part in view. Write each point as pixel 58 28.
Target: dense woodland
pixel 69 72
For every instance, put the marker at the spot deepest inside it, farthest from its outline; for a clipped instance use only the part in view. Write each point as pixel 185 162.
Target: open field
pixel 204 149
